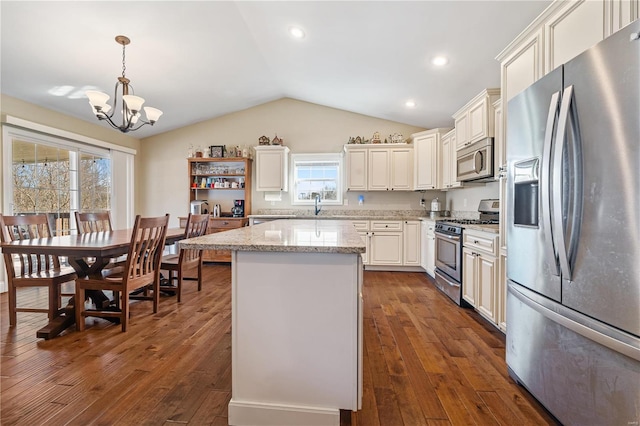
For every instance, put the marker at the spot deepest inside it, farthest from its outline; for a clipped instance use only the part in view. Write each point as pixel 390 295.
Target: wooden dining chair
pixel 31 270
pixel 141 270
pixel 177 264
pixel 93 222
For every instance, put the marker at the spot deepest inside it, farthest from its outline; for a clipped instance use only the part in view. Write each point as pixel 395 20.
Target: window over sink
pixel 316 175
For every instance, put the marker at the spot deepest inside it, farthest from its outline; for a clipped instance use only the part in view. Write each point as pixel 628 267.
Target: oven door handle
pixel 451 237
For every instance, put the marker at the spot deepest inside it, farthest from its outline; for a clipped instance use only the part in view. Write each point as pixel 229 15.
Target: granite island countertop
pixel 289 235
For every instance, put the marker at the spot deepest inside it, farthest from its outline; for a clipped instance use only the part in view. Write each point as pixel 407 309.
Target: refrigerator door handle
pixel 573 192
pixel 545 185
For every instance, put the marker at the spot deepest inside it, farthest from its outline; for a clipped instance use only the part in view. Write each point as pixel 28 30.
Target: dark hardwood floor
pixel 426 362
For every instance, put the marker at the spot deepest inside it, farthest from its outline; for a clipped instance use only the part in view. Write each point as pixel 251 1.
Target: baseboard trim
pixel 252 413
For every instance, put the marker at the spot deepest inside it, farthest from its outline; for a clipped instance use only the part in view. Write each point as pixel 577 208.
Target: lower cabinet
pixel 390 242
pixel 362 226
pixel 411 243
pixel 480 272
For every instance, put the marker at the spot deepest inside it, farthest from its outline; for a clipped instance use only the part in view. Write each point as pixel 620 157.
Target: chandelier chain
pixel 123 62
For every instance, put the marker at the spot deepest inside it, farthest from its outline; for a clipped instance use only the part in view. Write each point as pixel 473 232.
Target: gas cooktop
pixel 471 221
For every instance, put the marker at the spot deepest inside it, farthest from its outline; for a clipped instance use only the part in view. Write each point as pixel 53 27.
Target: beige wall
pixel 304 127
pixel 30 112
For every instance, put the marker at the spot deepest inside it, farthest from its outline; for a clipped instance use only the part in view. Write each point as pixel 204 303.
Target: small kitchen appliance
pixel 199 207
pixel 216 210
pixel 238 208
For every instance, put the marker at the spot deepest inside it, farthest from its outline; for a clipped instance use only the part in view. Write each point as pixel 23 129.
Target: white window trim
pixel 315 157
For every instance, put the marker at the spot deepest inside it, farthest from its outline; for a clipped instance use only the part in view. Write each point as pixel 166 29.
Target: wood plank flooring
pixel 426 362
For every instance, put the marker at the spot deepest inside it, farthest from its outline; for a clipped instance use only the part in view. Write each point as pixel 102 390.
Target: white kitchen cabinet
pixel 475 121
pixel 362 226
pixel 426 155
pixel 428 246
pixel 500 155
pixel 386 242
pixel 501 288
pixel 448 173
pixel 272 168
pixel 411 238
pixel 572 29
pixel 480 272
pixel 356 160
pixel 401 169
pixel 378 169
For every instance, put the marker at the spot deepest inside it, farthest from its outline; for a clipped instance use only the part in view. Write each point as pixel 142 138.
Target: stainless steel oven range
pixel 448 233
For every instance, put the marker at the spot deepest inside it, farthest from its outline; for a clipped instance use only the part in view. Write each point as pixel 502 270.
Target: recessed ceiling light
pixel 439 61
pixel 410 104
pixel 296 32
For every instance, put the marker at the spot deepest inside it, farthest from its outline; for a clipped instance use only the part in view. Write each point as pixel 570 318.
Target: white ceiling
pixel 199 60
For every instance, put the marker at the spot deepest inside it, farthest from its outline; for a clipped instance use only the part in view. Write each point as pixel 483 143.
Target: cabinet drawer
pixel 224 223
pixel 361 225
pixel 386 225
pixel 483 241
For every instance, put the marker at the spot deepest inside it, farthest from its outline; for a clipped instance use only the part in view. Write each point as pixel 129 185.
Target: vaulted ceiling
pixel 204 59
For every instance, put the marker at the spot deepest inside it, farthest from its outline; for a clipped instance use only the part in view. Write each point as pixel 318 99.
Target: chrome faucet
pixel 316 204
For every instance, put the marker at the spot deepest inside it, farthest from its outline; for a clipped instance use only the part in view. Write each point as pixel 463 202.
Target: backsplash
pixel 360 212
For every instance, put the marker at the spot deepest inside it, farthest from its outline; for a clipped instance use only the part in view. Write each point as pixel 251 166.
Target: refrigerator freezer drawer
pixel 599 367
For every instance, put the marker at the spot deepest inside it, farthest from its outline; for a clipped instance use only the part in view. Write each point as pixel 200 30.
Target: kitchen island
pixel 296 320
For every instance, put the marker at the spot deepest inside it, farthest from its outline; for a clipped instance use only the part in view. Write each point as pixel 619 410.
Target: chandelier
pixel 131 104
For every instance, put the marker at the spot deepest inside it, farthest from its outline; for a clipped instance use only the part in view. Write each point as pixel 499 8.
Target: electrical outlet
pixel 346 202
pixel 464 202
pixel 421 202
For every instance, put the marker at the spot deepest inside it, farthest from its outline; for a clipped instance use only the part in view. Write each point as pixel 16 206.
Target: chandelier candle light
pixel 131 104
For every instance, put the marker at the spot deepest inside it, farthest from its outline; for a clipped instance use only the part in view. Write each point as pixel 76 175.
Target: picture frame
pixel 216 151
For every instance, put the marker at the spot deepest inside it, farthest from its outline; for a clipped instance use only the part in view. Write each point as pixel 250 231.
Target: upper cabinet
pixel 426 154
pixel 379 167
pixel 356 159
pixel 475 120
pixel 272 168
pixel 448 174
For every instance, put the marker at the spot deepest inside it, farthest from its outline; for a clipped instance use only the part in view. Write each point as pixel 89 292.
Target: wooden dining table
pixel 100 247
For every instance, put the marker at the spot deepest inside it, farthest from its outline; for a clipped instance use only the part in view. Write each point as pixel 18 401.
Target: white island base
pixel 296 337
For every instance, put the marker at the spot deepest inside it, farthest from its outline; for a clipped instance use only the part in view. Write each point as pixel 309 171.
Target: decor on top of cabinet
pixel 199 151
pixel 264 140
pixel 277 141
pixel 396 138
pixel 357 140
pixel 216 151
pixel 376 137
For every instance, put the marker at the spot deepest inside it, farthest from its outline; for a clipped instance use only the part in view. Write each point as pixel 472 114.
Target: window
pixel 316 175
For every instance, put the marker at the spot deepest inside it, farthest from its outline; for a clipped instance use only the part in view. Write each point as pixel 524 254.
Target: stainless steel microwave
pixel 475 162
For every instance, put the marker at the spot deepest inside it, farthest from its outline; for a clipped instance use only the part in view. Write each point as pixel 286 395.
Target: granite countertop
pixel 291 235
pixel 391 216
pixel 494 228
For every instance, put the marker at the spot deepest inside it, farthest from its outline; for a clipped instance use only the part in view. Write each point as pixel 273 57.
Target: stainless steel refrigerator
pixel 573 235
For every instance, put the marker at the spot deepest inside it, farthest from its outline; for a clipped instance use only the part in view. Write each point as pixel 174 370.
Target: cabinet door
pixel 378 171
pixel 462 130
pixel 271 170
pixel 469 276
pixel 486 281
pixel 423 245
pixel 365 255
pixel 477 125
pixel 571 30
pixel 501 297
pixel 431 254
pixel 356 169
pixel 386 248
pixel 425 162
pixel 401 169
pixel 411 243
pixel 445 163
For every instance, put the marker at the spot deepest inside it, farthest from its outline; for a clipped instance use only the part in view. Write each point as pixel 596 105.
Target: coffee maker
pixel 238 208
